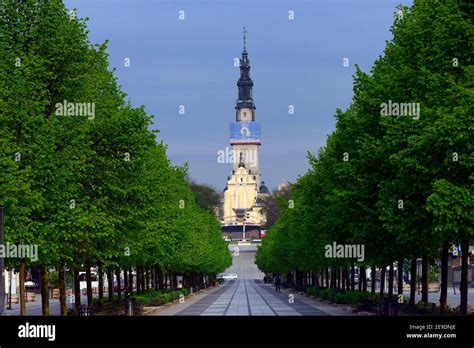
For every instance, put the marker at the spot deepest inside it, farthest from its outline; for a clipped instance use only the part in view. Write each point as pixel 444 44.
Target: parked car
pixel 230 276
pixel 30 284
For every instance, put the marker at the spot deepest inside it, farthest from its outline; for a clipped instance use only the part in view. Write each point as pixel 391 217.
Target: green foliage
pixel 88 189
pixel 352 192
pixel 352 297
pixel 206 196
pixel 327 294
pixel 157 298
pixel 433 275
pixel 344 297
pixel 311 290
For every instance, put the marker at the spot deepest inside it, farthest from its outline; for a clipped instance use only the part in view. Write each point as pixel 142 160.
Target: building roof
pixel 263 188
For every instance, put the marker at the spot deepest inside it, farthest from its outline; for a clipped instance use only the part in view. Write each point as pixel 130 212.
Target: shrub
pixel 340 298
pixel 317 291
pixel 175 295
pixel 327 294
pixel 158 298
pixel 167 297
pixel 156 301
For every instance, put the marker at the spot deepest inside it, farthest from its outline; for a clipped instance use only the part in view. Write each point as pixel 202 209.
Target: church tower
pixel 242 197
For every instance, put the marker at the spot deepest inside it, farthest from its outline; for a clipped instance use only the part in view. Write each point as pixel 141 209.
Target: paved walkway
pixel 453 299
pixel 34 308
pixel 243 262
pixel 245 298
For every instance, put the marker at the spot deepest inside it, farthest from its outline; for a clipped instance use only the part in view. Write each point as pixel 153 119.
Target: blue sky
pixel 189 62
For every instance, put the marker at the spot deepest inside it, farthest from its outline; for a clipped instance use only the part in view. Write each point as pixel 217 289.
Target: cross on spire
pixel 245 39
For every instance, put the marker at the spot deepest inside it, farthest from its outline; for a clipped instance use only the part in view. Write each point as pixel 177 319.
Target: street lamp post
pixel 2 267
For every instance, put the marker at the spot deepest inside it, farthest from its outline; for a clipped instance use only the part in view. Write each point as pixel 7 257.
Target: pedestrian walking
pixel 277 282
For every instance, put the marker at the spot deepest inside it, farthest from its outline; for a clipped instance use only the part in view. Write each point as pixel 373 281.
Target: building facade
pixel 241 215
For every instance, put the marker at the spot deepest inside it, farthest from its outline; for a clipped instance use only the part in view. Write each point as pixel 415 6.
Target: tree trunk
pixel 327 277
pixel 142 278
pixel 339 278
pixel 110 280
pixel 315 280
pixel 147 277
pixel 154 278
pixel 160 278
pixel 171 278
pixel 443 299
pixel 119 280
pixel 344 279
pixel 44 291
pixel 382 279
pixel 101 288
pixel 352 276
pixel 464 276
pixel 139 280
pixel 390 280
pixel 412 281
pixel 130 279
pixel 77 289
pixel 125 280
pixel 89 285
pixel 373 278
pixel 22 289
pixel 185 280
pixel 62 289
pixel 363 278
pixel 424 279
pixel 400 276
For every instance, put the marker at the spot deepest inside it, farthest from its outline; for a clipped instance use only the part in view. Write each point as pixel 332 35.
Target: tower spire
pixel 245 83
